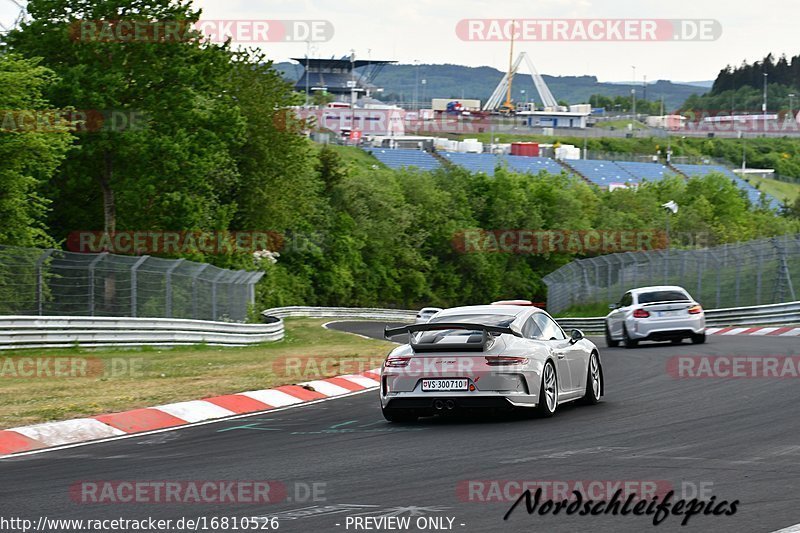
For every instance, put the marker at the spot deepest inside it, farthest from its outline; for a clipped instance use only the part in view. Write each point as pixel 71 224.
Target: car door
pixel 555 339
pixel 617 317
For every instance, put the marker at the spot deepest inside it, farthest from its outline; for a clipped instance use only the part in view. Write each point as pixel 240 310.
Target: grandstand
pixel 753 194
pixel 599 172
pixel 602 173
pixel 400 158
pixel 487 163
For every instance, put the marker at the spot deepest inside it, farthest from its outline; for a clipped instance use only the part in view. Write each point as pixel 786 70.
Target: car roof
pixel 430 309
pixel 507 310
pixel 658 288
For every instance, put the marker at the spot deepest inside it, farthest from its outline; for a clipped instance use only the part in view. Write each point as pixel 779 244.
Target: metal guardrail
pixel 775 314
pixel 64 332
pixel 342 312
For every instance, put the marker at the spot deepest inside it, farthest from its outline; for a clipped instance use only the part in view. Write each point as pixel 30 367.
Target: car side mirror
pixel 613 306
pixel 576 335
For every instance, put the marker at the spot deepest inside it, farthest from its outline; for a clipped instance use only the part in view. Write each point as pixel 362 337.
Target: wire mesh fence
pixel 751 273
pixel 57 283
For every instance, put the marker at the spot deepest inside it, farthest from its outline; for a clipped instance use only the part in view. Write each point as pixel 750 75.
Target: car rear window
pixel 488 319
pixel 455 336
pixel 662 296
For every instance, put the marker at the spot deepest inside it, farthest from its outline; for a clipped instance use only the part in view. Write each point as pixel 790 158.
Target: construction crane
pixel 495 101
pixel 508 105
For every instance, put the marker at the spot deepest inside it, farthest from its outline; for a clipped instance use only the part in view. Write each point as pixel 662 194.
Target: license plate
pixel 670 313
pixel 444 384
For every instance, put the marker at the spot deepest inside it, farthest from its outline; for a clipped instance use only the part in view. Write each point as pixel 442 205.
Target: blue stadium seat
pixel 603 173
pixel 401 157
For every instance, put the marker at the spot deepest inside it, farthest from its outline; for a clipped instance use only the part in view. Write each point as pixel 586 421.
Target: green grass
pixel 781 190
pixel 585 310
pixel 355 156
pixel 185 373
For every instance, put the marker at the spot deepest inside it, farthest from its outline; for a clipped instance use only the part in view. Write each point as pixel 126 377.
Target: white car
pixel 425 314
pixel 659 313
pixel 488 357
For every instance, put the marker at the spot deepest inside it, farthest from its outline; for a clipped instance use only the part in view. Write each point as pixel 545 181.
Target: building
pixel 346 78
pixel 554 119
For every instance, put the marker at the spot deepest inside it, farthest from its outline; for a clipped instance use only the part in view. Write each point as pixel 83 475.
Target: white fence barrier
pixel 64 332
pixel 342 312
pixel 774 314
pixel 767 315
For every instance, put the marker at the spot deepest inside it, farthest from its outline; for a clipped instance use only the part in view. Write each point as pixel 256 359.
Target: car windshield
pixel 662 296
pixel 457 336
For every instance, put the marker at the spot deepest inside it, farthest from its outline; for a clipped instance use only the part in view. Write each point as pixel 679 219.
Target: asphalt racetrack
pixel 338 460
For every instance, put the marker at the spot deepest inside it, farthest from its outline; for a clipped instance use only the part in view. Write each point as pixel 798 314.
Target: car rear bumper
pixel 683 327
pixel 427 401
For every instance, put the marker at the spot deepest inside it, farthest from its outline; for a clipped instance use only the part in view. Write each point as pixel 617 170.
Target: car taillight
pixel 499 360
pixel 397 362
pixel 640 313
pixel 695 310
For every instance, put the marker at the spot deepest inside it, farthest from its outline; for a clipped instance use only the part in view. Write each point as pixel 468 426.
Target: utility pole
pixel 633 98
pixel 764 105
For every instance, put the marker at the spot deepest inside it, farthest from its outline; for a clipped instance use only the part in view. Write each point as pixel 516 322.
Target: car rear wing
pixel 448 347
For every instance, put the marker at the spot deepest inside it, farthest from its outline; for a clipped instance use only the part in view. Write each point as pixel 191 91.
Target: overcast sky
pixel 424 30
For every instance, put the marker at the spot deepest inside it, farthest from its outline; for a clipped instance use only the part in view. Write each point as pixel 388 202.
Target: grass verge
pixel 113 380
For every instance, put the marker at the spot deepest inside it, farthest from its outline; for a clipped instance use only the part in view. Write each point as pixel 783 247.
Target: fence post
pixel 135 284
pixel 94 262
pixel 194 289
pixel 40 280
pixel 214 294
pixel 168 279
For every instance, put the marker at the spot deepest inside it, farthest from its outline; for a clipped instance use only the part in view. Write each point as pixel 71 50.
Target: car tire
pixel 698 338
pixel 629 343
pixel 548 392
pixel 611 343
pixel 399 415
pixel 594 381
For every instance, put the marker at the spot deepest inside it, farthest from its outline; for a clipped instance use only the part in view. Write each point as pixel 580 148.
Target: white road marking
pixel 272 397
pixel 68 431
pixel 326 388
pixel 764 331
pixel 735 331
pixel 194 410
pixel 362 380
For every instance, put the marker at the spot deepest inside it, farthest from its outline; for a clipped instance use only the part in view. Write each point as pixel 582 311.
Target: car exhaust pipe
pixel 450 404
pixel 438 405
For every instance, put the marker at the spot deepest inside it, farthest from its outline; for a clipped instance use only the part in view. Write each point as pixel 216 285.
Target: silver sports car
pixel 659 313
pixel 488 356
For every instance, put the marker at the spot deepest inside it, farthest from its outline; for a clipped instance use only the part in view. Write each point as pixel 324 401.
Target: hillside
pixel 457 81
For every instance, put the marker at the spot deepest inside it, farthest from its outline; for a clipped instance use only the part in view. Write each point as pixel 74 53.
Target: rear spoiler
pixel 435 347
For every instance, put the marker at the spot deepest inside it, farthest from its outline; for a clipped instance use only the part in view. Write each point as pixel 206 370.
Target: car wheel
pixel 594 381
pixel 548 392
pixel 611 343
pixel 629 343
pixel 698 338
pixel 399 415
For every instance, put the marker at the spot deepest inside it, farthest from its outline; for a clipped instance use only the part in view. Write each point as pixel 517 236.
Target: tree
pixel 34 139
pixel 169 167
